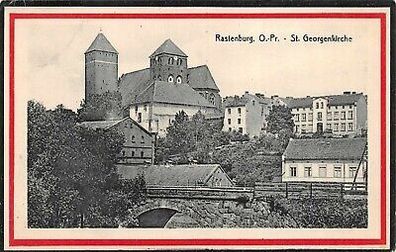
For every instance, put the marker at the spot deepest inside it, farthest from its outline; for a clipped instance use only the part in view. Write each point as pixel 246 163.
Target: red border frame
pixel 196 242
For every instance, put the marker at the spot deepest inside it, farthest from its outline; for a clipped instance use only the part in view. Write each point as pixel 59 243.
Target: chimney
pixel 347 92
pixel 353 92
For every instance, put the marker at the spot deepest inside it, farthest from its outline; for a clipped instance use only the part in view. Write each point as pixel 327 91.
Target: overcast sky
pixel 50 54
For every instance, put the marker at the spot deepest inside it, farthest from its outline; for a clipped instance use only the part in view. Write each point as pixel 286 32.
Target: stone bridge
pixel 208 208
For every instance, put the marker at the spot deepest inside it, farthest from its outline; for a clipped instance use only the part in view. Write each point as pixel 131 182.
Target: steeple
pixel 101 44
pixel 168 47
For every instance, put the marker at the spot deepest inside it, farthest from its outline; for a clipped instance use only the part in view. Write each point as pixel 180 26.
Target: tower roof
pixel 168 47
pixel 101 44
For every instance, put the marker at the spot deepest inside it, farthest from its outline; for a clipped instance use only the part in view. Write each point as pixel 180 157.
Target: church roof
pixel 171 175
pixel 168 47
pixel 325 149
pixel 166 92
pixel 101 44
pixel 201 78
pixel 133 83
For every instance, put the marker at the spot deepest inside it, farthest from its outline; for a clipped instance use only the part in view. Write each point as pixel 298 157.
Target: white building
pixel 246 114
pixel 344 114
pixel 325 160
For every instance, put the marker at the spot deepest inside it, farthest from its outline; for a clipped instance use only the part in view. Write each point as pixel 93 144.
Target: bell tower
pixel 101 67
pixel 168 63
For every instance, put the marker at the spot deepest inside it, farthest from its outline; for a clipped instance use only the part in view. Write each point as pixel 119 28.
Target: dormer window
pixel 178 79
pixel 170 78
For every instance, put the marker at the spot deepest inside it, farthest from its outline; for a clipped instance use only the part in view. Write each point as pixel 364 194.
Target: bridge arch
pixel 156 217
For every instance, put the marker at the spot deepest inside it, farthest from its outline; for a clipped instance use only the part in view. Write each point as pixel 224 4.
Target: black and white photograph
pixel 208 127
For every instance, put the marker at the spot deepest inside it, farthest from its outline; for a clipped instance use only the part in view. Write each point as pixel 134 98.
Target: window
pixel 178 79
pixel 343 126
pixel 317 105
pixel 240 130
pixel 329 126
pixel 337 172
pixel 229 129
pixel 170 78
pixel 142 140
pixel 239 110
pixel 350 115
pixel 307 172
pixel 170 61
pixel 239 120
pixel 139 119
pixel 297 117
pixel 319 116
pixel 136 109
pixel 336 127
pixel 133 153
pixel 321 105
pixel 212 98
pixel 142 154
pixel 159 77
pixel 293 171
pixel 342 115
pixel 329 116
pixel 179 61
pixel 350 106
pixel 229 111
pixel 322 172
pixel 336 115
pixel 123 153
pixel 145 107
pixel 310 116
pixel 303 117
pixel 352 171
pixel 133 139
pixel 297 128
pixel 229 120
pixel 350 126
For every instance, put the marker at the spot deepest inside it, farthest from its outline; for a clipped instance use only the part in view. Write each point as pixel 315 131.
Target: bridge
pixel 203 207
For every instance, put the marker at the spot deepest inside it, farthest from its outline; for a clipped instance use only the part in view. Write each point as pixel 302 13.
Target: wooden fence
pixel 309 189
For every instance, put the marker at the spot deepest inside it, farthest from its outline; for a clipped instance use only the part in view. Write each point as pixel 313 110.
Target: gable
pixel 201 78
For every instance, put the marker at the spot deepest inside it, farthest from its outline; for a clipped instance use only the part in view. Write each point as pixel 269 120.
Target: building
pixel 206 175
pixel 152 96
pixel 138 147
pixel 325 160
pixel 344 114
pixel 246 114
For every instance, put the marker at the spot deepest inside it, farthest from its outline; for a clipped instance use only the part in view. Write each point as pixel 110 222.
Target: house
pixel 325 160
pixel 206 175
pixel 246 114
pixel 152 96
pixel 344 114
pixel 138 147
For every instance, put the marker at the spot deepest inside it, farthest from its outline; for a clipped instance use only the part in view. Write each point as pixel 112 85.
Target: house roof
pixel 168 47
pixel 235 101
pixel 334 100
pixel 166 92
pixel 172 175
pixel 325 149
pixel 133 83
pixel 201 78
pixel 109 124
pixel 101 44
pixel 101 124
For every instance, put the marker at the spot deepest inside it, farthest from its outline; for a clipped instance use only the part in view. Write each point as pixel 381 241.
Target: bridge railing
pixel 310 189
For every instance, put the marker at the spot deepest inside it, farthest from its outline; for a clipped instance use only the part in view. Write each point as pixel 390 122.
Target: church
pixel 152 96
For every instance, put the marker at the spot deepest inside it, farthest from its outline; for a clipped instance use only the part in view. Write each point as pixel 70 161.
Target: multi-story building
pixel 344 114
pixel 246 114
pixel 152 96
pixel 138 147
pixel 325 160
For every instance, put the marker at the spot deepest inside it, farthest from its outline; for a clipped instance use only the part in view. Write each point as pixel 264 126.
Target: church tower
pixel 169 63
pixel 101 67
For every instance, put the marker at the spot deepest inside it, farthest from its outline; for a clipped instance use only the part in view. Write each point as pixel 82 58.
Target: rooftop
pixel 168 47
pixel 101 44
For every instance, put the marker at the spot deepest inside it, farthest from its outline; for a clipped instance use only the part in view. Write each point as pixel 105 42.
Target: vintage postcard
pixel 193 128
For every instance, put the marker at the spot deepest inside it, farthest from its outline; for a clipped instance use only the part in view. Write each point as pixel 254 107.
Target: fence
pixel 309 189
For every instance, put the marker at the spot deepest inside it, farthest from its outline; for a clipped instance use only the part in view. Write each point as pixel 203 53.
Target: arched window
pixel 179 79
pixel 142 140
pixel 170 61
pixel 170 78
pixel 133 139
pixel 212 98
pixel 179 61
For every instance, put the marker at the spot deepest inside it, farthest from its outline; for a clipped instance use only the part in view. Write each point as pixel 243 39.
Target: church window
pixel 170 78
pixel 212 98
pixel 170 61
pixel 179 62
pixel 142 141
pixel 133 139
pixel 179 79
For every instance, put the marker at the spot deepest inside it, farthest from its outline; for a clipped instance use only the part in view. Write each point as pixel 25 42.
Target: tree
pixel 101 107
pixel 72 178
pixel 280 118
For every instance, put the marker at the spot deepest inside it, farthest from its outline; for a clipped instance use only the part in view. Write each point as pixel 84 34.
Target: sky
pixel 49 54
